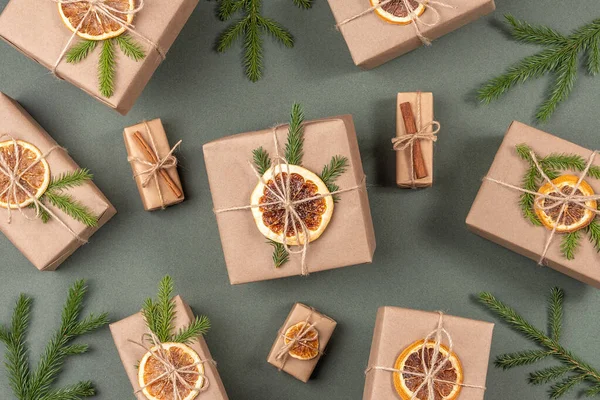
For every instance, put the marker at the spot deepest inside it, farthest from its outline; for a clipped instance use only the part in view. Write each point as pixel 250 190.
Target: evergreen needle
pixel 570 242
pixel 71 207
pixel 336 167
pixel 280 254
pixel 130 48
pixel 70 180
pixel 80 51
pixel 106 68
pixel 294 147
pixel 306 4
pixel 262 160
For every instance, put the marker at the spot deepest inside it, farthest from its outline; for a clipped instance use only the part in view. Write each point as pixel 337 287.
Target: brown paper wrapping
pixel 47 245
pixel 403 159
pixel 373 41
pixel 496 214
pixel 349 238
pixel 149 194
pixel 133 327
pixel 35 28
pixel 397 328
pixel 302 369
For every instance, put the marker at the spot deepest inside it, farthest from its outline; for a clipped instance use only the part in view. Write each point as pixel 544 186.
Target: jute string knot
pixel 559 199
pixel 431 367
pixel 298 339
pixel 417 21
pixel 14 185
pixel 174 373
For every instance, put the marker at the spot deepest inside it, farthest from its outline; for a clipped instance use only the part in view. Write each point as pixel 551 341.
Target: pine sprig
pixel 579 371
pixel 106 68
pixel 280 254
pixel 262 160
pixel 80 51
pixel 569 244
pixel 336 167
pixel 69 180
pixel 37 384
pixel 559 58
pixel 130 47
pixel 593 230
pixel 199 327
pixel 306 4
pixel 294 148
pixel 71 207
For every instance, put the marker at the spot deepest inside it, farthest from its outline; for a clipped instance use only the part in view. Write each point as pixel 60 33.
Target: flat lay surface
pixel 425 259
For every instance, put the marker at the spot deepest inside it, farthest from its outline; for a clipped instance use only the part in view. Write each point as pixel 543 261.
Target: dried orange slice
pixel 35 180
pixel 304 184
pixel 574 216
pixel 411 360
pixel 395 12
pixel 96 26
pixel 308 347
pixel 180 356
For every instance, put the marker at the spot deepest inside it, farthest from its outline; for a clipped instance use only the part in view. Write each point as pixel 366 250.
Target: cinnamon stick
pixel 150 156
pixel 419 168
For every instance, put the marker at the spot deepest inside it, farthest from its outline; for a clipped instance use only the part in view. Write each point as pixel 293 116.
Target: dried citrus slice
pixel 395 12
pixel 180 356
pixel 36 179
pixel 411 360
pixel 97 25
pixel 304 184
pixel 574 216
pixel 308 347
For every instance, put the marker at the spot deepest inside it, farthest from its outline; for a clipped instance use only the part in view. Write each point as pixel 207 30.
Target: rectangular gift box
pixel 134 327
pixel 397 328
pixel 151 198
pixel 349 238
pixel 403 159
pixel 302 369
pixel 35 28
pixel 47 245
pixel 373 41
pixel 497 216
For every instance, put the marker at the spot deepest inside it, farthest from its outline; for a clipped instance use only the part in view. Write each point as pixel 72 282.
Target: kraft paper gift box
pixel 302 369
pixel 154 136
pixel 398 328
pixel 349 238
pixel 47 245
pixel 132 329
pixel 373 41
pixel 497 216
pixel 35 28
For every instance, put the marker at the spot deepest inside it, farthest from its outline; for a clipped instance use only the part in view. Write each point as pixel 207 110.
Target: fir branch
pixel 17 353
pixel 80 51
pixel 70 180
pixel 336 167
pixel 566 75
pixel 280 254
pixel 253 52
pixel 507 361
pixel 71 207
pixel 593 230
pixel 564 162
pixel 231 34
pixel 130 48
pixel 549 374
pixel 166 309
pixel 106 68
pixel 277 31
pixel 569 244
pixel 555 313
pixel 593 60
pixel 73 392
pixel 306 4
pixel 566 385
pixel 294 148
pixel 199 327
pixel 527 33
pixel 527 200
pixel 262 160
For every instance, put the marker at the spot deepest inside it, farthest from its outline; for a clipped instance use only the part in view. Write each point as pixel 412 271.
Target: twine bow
pixel 299 339
pixel 431 367
pixel 412 14
pixel 559 199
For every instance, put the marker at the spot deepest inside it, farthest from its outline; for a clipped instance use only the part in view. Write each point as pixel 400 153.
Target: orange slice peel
pixel 88 22
pixel 307 347
pixel 395 12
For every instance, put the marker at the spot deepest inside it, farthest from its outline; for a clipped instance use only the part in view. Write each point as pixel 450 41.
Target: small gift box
pixel 427 353
pixel 301 342
pixel 109 49
pixel 377 34
pixel 154 165
pixel 335 216
pixel 51 207
pixel 529 188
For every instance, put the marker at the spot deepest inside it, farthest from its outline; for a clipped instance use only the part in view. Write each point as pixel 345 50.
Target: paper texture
pixel 47 245
pixel 397 328
pixel 349 238
pixel 133 327
pixel 302 369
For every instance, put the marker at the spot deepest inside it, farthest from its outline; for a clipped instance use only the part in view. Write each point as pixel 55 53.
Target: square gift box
pixel 35 28
pixel 397 329
pixel 47 245
pixel 349 238
pixel 496 213
pixel 373 41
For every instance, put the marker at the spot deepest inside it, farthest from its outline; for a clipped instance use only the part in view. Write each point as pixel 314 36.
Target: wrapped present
pixel 325 201
pixel 378 31
pixel 415 135
pixel 154 165
pixel 420 355
pixel 109 49
pixel 539 199
pixel 301 342
pixel 48 205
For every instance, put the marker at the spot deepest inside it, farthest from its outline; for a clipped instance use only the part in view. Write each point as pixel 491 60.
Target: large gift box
pixel 397 354
pixel 46 244
pixel 36 28
pixel 374 40
pixel 505 214
pixel 348 239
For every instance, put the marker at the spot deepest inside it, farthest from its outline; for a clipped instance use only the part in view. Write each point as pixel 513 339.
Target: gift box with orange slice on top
pixel 377 31
pixel 49 207
pixel 290 200
pixel 540 199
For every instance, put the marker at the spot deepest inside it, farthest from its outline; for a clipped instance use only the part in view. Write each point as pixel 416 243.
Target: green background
pixel 425 259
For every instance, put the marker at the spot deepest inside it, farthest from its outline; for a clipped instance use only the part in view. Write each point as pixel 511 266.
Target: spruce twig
pixel 80 51
pixel 130 48
pixel 336 167
pixel 71 207
pixel 294 148
pixel 106 68
pixel 280 254
pixel 262 160
pixel 306 4
pixel 70 180
pixel 569 244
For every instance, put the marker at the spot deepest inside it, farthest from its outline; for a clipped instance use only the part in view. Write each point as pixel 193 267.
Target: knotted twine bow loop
pixel 299 339
pixel 559 199
pixel 173 372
